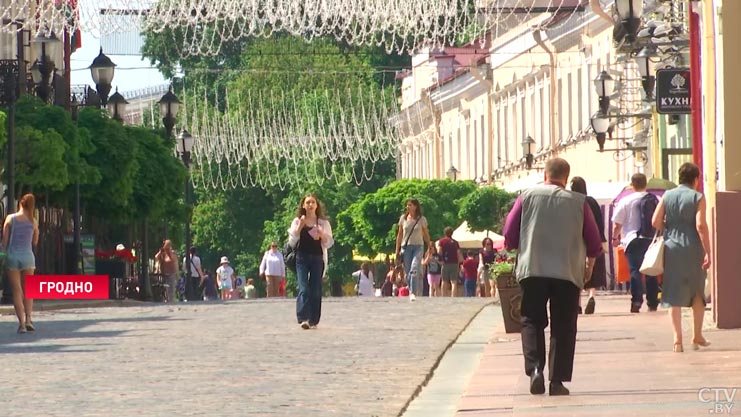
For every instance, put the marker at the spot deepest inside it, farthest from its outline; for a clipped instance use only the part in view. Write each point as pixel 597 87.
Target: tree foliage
pixel 486 208
pixel 370 225
pixel 268 75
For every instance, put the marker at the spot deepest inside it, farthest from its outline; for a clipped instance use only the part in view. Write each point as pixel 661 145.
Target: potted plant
pixel 510 295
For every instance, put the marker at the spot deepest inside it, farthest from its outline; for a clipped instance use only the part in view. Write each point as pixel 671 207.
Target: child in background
pixel 434 271
pixel 249 290
pixel 470 274
pixel 403 290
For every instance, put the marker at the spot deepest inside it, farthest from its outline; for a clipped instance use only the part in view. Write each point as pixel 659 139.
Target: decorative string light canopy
pixel 279 138
pixel 276 138
pixel 205 25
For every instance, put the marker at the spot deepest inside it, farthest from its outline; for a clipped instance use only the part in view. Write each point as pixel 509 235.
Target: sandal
pixel 697 345
pixel 678 347
pixel 29 327
pixel 22 328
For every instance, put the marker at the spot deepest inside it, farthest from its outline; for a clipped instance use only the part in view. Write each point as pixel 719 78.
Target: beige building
pixel 470 108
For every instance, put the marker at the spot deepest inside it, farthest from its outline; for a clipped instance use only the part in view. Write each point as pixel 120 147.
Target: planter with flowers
pixel 510 294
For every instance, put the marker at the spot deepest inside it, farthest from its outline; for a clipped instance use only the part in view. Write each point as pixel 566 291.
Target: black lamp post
pixel 605 86
pixel 600 124
pixel 102 70
pixel 117 106
pixel 184 145
pixel 452 173
pixel 169 106
pixel 630 12
pixel 46 49
pixel 9 73
pixel 527 151
pixel 648 80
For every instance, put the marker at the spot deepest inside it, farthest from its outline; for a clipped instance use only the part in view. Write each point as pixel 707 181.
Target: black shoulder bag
pixel 289 254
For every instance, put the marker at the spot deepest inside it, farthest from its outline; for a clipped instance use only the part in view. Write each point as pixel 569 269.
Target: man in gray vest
pixel 558 240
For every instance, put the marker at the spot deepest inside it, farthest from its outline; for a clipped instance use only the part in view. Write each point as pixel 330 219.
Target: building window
pixel 500 133
pixel 561 111
pixel 579 100
pixel 485 168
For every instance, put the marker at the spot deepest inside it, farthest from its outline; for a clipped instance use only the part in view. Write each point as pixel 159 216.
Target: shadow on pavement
pixel 13 342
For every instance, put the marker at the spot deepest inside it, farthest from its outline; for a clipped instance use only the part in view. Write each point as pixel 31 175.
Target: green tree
pixel 40 164
pixel 114 156
pixel 486 208
pixel 371 224
pixel 159 179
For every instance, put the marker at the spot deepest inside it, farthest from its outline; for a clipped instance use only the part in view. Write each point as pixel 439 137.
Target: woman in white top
pixel 273 269
pixel 364 281
pixel 411 238
pixel 311 235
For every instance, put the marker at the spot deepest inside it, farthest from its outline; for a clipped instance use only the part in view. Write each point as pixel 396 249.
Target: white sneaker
pixel 305 325
pixel 412 297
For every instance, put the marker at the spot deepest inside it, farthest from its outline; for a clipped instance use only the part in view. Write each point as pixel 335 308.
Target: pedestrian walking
pixel 411 238
pixel 225 278
pixel 168 261
pixel 487 259
pixel 273 269
pixel 599 273
pixel 20 237
pixel 681 215
pixel 557 238
pixel 364 281
pixel 452 257
pixel 209 286
pixel 310 235
pixel 196 272
pixel 470 269
pixel 633 230
pixel 434 271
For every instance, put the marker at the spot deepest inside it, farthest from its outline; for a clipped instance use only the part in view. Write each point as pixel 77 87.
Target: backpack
pixel 646 207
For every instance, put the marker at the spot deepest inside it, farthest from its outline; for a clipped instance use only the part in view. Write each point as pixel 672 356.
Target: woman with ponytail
pixel 20 236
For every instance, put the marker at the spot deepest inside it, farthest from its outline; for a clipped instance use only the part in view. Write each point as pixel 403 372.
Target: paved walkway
pixel 240 358
pixel 624 366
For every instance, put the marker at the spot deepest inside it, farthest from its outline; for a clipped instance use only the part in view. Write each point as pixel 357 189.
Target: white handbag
pixel 653 261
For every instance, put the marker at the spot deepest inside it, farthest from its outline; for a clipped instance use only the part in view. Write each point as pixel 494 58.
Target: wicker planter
pixel 510 296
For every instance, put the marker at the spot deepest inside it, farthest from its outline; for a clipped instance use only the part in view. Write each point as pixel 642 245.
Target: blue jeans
pixel 309 271
pixel 470 286
pixel 635 252
pixel 412 257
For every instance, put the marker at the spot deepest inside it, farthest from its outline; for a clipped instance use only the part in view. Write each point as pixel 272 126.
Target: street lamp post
pixel 46 49
pixel 452 173
pixel 184 146
pixel 169 106
pixel 600 124
pixel 9 73
pixel 630 12
pixel 605 85
pixel 116 106
pixel 102 70
pixel 648 80
pixel 527 151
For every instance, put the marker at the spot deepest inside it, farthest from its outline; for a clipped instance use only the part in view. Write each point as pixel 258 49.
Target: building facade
pixel 468 110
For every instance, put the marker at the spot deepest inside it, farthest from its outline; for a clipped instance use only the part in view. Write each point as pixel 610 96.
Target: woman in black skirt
pixel 599 273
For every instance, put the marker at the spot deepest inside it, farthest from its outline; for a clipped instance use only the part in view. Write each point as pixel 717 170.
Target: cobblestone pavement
pixel 367 358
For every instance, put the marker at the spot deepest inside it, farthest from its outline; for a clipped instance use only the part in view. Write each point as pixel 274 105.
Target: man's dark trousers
pixel 564 306
pixel 635 252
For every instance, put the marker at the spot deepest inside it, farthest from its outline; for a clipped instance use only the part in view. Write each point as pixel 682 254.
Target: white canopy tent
pixel 468 239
